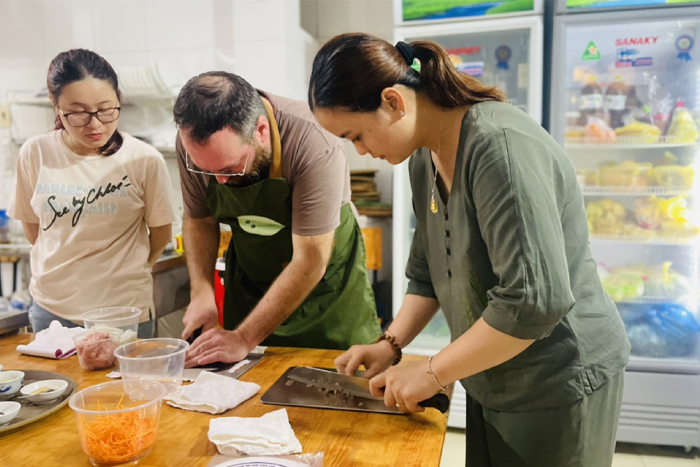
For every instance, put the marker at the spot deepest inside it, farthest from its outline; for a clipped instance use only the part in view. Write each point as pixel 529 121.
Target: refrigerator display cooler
pixel 625 105
pixel 500 51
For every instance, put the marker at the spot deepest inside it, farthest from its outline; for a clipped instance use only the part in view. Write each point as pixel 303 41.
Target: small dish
pixel 9 411
pixel 56 388
pixel 10 382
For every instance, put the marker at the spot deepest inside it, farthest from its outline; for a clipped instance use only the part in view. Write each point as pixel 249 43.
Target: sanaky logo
pixel 257 225
pixel 591 52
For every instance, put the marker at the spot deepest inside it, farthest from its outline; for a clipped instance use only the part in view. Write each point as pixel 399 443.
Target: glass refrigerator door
pixel 628 115
pixel 505 53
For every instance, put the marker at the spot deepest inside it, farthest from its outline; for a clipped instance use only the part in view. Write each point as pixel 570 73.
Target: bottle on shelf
pixel 591 102
pixel 616 102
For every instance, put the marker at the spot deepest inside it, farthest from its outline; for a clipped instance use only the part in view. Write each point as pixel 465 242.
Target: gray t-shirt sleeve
pixel 193 185
pixel 520 222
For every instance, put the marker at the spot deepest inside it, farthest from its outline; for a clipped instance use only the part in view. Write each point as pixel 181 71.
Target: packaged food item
pixel 590 102
pixel 661 331
pixel 591 177
pixel 667 283
pixel 660 104
pixel 641 270
pixel 627 173
pixel 575 132
pixel 683 128
pixel 644 132
pixel 597 131
pixel 622 287
pixel 605 217
pixel 673 176
pixel 616 102
pixel 668 216
pixel 632 230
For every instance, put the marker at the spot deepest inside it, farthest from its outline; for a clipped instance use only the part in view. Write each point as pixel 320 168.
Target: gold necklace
pixel 433 201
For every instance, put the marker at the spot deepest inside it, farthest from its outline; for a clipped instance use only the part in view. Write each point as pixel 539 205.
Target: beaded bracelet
pixel 429 370
pixel 392 340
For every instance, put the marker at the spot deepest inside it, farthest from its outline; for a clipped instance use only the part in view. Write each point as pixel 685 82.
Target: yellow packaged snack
pixel 644 132
pixel 627 173
pixel 683 128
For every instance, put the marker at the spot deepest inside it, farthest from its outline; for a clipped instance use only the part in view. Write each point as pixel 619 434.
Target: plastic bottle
pixel 591 102
pixel 616 102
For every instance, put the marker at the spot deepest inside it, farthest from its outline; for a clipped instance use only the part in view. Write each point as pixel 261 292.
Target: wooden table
pixel 346 438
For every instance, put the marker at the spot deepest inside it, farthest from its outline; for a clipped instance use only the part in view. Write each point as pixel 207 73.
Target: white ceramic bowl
pixel 58 387
pixel 10 382
pixel 9 409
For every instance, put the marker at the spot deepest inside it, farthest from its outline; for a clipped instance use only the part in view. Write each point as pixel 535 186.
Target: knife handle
pixel 438 401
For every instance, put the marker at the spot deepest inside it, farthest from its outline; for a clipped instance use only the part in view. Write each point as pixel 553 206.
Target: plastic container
pixel 95 348
pixel 161 360
pixel 118 421
pixel 124 318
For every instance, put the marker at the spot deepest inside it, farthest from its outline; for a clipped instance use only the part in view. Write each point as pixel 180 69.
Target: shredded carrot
pixel 120 437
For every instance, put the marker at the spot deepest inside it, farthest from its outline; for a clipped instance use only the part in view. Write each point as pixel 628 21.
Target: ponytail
pixel 351 71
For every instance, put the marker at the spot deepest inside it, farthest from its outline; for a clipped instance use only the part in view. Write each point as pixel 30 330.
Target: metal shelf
pixel 689 365
pixel 634 190
pixel 665 142
pixel 651 300
pixel 664 241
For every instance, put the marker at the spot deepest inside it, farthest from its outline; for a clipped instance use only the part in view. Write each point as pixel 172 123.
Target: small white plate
pixel 58 387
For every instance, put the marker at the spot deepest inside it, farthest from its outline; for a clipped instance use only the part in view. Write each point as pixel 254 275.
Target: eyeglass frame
pixel 91 114
pixel 213 174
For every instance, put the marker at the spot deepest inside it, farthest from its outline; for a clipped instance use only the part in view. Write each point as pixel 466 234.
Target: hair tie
pixel 406 51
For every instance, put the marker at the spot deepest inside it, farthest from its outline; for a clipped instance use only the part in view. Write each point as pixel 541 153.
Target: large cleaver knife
pixel 332 381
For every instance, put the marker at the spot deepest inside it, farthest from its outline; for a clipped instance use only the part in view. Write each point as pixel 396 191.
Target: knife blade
pixel 332 381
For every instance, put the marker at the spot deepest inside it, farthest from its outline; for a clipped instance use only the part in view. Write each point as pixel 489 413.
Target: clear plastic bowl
pixel 124 318
pixel 95 348
pixel 161 360
pixel 118 421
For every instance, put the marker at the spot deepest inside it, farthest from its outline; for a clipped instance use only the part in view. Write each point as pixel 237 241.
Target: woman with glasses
pixel 94 201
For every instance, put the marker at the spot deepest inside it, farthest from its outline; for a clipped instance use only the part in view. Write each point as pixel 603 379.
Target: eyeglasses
pixel 194 169
pixel 78 119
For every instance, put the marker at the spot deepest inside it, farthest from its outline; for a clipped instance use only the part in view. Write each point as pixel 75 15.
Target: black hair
pixel 351 71
pixel 215 100
pixel 76 65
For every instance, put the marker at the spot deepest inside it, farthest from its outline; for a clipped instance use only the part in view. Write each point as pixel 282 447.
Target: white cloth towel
pixel 212 393
pixel 269 435
pixel 54 342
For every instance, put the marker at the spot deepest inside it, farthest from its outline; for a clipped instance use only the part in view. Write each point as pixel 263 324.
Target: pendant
pixel 433 204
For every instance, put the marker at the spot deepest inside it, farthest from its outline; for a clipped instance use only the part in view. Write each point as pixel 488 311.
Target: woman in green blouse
pixel 501 246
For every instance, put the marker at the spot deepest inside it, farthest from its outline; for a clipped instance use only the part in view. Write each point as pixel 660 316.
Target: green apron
pixel 339 312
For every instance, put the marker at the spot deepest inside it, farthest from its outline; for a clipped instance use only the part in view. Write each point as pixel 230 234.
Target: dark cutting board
pixel 295 394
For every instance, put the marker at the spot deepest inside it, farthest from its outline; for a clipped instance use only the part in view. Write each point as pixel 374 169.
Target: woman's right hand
pixel 374 357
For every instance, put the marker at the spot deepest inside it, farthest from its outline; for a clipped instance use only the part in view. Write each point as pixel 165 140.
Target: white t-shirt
pixel 92 250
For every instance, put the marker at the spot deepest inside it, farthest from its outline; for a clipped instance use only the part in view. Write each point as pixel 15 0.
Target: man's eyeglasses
pixel 194 169
pixel 78 119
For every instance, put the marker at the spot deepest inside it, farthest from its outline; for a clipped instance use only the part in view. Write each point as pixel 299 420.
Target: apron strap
pixel 276 166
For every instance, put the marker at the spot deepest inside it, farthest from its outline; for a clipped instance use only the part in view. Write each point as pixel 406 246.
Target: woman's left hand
pixel 404 386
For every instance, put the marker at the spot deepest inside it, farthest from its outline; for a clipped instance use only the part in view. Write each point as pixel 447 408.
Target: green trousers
pixel 578 435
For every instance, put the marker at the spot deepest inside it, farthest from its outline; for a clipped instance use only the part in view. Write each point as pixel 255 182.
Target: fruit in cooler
pixel 639 132
pixel 622 287
pixel 667 283
pixel 683 128
pixel 605 217
pixel 598 132
pixel 627 173
pixel 673 176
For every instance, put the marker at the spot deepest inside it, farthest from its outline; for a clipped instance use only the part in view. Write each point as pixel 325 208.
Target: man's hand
pixel 201 313
pixel 216 345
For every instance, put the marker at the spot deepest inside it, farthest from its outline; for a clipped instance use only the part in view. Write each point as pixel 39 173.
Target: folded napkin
pixel 55 342
pixel 212 393
pixel 269 435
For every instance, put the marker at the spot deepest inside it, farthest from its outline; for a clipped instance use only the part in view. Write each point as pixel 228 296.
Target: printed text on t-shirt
pixel 79 204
